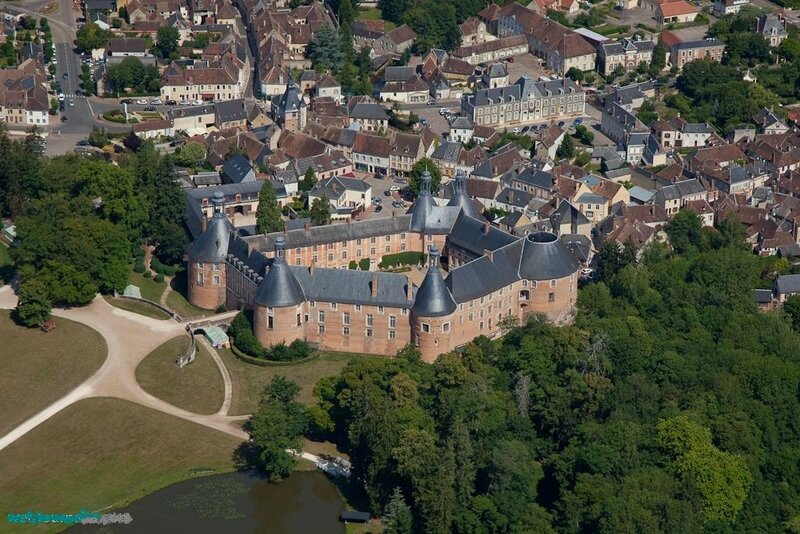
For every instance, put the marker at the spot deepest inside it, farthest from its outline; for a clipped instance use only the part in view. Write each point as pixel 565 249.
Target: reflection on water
pixel 235 502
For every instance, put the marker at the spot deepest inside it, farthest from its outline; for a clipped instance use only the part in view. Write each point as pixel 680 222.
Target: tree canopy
pixel 268 214
pixel 422 165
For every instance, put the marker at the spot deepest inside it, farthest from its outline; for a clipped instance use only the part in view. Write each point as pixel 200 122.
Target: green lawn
pixel 373 13
pixel 142 308
pixel 176 300
pixel 198 387
pixel 38 368
pixel 151 290
pixel 249 380
pixel 102 452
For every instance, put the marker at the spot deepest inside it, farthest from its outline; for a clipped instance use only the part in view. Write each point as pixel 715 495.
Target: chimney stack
pixel 306 226
pixel 312 268
pixel 486 228
pixel 409 289
pixel 374 285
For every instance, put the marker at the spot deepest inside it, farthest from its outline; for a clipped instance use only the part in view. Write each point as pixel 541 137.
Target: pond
pixel 235 502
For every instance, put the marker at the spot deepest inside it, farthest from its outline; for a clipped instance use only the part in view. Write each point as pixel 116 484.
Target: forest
pixel 670 405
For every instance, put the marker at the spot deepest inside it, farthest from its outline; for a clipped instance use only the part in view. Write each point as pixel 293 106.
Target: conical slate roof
pixel 212 245
pixel 279 288
pixel 433 299
pixel 460 197
pixel 423 204
pixel 545 257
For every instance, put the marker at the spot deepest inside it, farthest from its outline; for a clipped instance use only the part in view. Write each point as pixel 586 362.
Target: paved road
pixel 130 338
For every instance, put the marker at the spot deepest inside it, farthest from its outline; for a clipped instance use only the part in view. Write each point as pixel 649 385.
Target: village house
pixel 627 53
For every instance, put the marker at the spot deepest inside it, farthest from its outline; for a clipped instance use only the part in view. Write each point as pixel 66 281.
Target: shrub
pixel 352 265
pixel 138 267
pixel 166 270
pixel 363 264
pixel 147 274
pixel 297 350
pixel 159 278
pixel 241 331
pixel 401 258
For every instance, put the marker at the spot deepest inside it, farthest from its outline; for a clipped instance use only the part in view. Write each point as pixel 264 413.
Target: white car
pixel 71 103
pixel 587 271
pixel 516 130
pixel 185 103
pixel 61 97
pixel 156 102
pixel 197 103
pixel 141 102
pixel 394 188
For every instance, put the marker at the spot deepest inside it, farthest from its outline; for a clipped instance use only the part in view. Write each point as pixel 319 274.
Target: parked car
pixel 78 92
pixel 516 130
pixel 83 142
pixel 431 102
pixel 71 103
pixel 197 103
pixel 170 102
pixel 387 193
pixel 64 118
pixel 510 59
pixel 578 121
pixel 561 123
pixel 185 103
pixel 378 176
pixel 378 209
pixel 156 102
pixel 587 271
pixel 126 101
pixel 394 188
pixel 61 97
pixel 61 106
pixel 65 76
pixel 149 108
pixel 141 102
pixel 397 204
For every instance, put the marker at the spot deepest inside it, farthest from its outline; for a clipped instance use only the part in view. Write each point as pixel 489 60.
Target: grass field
pixel 198 387
pixel 103 452
pixel 373 13
pixel 249 380
pixel 176 300
pixel 151 290
pixel 38 369
pixel 142 308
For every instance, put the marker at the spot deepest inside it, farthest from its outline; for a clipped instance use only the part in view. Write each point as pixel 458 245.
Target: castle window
pixel 380 309
pixel 533 284
pixel 372 240
pixel 404 311
pixel 306 317
pixel 297 261
pixel 552 283
pixel 388 238
pixel 490 323
pixel 314 248
pixel 369 319
pixel 270 322
pixel 402 236
pixel 470 316
pixel 321 329
pixel 330 245
pixel 482 299
pixel 472 304
pixel 358 307
pixel 199 264
pixel 358 253
pixel 388 248
pixel 330 256
pixel 314 258
pixel 346 318
pixel 392 321
pixel 369 332
pixel 344 254
pixel 402 246
pixel 481 325
pixel 426 328
pixel 358 241
pixel 200 279
pixel 321 316
pixel 551 297
pixel 372 251
pixel 392 334
pixel 298 320
pixel 346 331
pixel 297 250
pixel 445 327
pixel 216 279
pixel 215 267
pixel 333 305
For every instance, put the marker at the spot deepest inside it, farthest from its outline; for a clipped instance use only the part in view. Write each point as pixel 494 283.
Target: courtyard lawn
pixel 373 13
pixel 102 452
pixel 176 299
pixel 142 308
pixel 151 290
pixel 198 387
pixel 38 368
pixel 249 379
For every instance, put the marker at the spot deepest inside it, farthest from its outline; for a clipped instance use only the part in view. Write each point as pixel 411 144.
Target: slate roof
pixel 231 110
pixel 523 89
pixel 212 245
pixel 353 287
pixel 433 299
pixel 237 170
pixel 788 284
pixel 368 111
pixel 472 235
pixel 280 287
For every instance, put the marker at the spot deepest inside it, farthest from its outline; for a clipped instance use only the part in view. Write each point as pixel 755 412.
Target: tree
pixel 268 214
pixel 91 37
pixel 422 165
pixel 791 307
pixel 132 141
pixel 584 134
pixel 277 425
pixel 397 518
pixel 324 50
pixel 33 307
pixel 166 41
pixel 320 212
pixel 566 150
pixel 309 180
pixel 192 154
pixel 575 74
pixel 685 232
pixel 87 79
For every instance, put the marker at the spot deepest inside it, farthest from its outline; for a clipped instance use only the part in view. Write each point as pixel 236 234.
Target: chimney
pixel 486 228
pixel 409 289
pixel 312 268
pixel 394 214
pixel 306 226
pixel 489 253
pixel 204 224
pixel 285 228
pixel 374 285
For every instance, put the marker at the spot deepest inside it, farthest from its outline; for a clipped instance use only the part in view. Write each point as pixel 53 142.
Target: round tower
pixel 551 271
pixel 278 303
pixel 432 312
pixel 461 198
pixel 423 204
pixel 206 284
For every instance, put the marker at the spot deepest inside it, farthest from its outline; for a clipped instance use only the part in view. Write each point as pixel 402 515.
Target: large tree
pixel 324 50
pixel 422 165
pixel 268 214
pixel 166 41
pixel 320 211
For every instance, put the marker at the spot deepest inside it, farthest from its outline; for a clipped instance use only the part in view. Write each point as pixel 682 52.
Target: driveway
pixel 130 338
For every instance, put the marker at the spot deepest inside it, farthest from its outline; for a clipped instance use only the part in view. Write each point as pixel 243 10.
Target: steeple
pixel 425 183
pixel 433 299
pixel 423 204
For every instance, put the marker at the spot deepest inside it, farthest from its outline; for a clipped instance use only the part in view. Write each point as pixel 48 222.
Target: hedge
pixel 402 258
pixel 114 115
pixel 269 363
pixel 241 330
pixel 138 267
pixel 363 264
pixel 352 265
pixel 166 270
